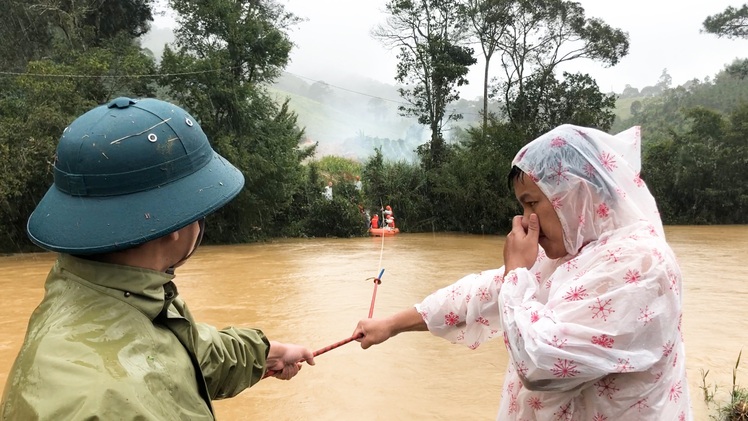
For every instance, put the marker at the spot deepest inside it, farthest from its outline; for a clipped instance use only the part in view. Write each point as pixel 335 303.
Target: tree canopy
pixel 730 23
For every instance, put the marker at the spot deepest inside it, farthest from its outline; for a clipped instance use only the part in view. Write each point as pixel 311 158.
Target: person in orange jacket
pixel 390 222
pixel 388 212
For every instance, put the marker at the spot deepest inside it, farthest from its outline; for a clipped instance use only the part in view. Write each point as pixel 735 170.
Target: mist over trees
pixel 58 60
pixel 352 121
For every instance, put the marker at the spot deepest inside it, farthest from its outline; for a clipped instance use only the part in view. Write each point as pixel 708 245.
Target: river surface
pixel 313 291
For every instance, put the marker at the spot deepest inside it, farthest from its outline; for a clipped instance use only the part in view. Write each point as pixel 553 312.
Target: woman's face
pixel 534 201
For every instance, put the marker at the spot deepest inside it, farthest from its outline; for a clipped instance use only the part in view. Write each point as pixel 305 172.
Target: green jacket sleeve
pixel 231 359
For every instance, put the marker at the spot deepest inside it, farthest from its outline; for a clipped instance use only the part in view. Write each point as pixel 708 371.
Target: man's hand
pixel 521 247
pixel 285 359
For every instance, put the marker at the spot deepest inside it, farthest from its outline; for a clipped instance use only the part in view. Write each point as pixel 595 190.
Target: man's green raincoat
pixel 115 342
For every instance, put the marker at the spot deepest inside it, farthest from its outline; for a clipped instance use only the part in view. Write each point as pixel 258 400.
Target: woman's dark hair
pixel 515 174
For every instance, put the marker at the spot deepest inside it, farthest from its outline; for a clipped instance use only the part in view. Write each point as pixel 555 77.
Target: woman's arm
pixel 464 312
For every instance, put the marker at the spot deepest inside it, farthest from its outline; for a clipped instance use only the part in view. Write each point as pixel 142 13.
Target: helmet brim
pixel 94 225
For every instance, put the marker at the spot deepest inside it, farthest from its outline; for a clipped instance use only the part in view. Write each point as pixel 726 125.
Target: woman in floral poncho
pixel 589 300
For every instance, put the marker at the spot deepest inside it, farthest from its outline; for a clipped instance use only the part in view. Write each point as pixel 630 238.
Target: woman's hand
pixel 521 247
pixel 372 331
pixel 285 359
pixel 375 331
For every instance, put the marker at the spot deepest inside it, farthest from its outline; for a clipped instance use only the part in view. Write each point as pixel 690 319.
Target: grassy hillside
pixel 623 107
pixel 347 127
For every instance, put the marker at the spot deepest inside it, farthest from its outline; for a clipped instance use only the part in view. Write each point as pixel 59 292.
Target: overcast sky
pixel 663 34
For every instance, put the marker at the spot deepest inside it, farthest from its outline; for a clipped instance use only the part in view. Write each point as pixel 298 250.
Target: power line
pixel 349 90
pixel 365 94
pixel 158 75
pixel 135 76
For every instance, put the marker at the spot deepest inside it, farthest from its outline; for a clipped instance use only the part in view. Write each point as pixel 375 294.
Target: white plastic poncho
pixel 596 335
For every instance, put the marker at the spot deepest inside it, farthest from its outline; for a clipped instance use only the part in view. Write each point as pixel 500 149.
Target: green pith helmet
pixel 129 172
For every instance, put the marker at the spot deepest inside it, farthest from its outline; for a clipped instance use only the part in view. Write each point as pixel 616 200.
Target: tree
pixel 36 29
pixel 636 107
pixel 44 42
pixel 693 174
pixel 738 68
pixel 320 91
pixel 490 21
pixel 576 99
pixel 665 81
pixel 730 23
pixel 478 198
pixel 662 114
pixel 24 35
pixel 543 34
pixel 227 52
pixel 377 108
pixel 432 62
pixel 629 91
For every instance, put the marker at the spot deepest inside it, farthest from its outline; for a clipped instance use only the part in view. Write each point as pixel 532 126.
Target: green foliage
pixel 546 103
pixel 489 20
pixel 311 215
pixel 335 218
pixel 24 177
pixel 469 193
pixel 473 184
pixel 338 169
pixel 35 107
pixel 738 69
pixel 36 29
pixel 401 185
pixel 236 47
pixel 271 163
pixel 373 179
pixel 730 23
pixel 661 114
pixel 636 107
pixel 249 37
pixel 693 175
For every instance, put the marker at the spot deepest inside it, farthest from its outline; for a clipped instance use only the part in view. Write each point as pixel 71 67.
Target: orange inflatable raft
pixel 379 232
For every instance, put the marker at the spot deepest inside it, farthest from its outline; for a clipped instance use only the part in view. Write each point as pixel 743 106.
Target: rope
pixel 377 281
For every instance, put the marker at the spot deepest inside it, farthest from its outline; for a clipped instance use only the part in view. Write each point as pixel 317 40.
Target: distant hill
pixel 351 122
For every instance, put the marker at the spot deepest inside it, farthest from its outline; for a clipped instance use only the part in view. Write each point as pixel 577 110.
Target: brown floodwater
pixel 313 291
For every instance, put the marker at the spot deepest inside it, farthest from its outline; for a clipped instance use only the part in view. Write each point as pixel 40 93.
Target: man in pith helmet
pixel 112 339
